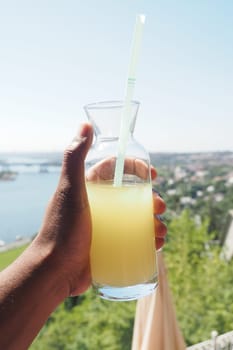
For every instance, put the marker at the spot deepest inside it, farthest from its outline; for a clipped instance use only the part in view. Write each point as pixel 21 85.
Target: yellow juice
pixel 123 240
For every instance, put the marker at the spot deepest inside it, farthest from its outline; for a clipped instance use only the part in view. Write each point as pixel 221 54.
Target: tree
pixel 201 281
pixel 92 324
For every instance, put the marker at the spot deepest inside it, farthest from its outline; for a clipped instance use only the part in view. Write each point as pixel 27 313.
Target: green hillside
pixel 8 256
pixel 201 284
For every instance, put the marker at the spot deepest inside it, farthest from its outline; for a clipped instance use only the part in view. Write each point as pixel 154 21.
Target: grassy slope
pixel 10 255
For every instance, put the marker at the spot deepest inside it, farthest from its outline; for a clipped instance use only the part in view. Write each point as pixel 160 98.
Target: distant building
pixel 210 189
pixel 171 192
pixel 230 179
pixel 228 243
pixel 170 182
pixel 187 200
pixel 218 197
pixel 201 173
pixel 199 193
pixel 179 173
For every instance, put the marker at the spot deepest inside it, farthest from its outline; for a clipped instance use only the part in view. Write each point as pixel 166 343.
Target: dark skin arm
pixel 56 264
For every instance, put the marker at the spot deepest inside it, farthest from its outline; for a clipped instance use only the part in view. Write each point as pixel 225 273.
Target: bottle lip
pixel 109 104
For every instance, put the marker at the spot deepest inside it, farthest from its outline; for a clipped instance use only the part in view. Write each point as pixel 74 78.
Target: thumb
pixel 81 143
pixel 74 156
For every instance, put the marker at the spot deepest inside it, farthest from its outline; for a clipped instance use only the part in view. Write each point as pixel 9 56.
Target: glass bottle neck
pixel 106 118
pixel 109 138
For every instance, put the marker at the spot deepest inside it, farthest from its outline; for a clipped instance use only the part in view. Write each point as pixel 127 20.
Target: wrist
pixel 46 264
pixel 30 289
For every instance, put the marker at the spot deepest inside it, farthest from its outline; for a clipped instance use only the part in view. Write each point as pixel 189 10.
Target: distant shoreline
pixel 15 244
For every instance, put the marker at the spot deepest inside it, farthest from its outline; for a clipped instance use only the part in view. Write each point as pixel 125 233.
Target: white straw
pixel 126 116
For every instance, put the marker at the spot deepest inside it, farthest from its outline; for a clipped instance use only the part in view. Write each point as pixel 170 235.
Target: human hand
pixel 105 169
pixel 56 264
pixel 66 231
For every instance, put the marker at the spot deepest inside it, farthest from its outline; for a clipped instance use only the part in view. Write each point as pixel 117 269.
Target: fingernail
pixel 155 191
pixel 77 140
pixel 84 130
pixel 159 217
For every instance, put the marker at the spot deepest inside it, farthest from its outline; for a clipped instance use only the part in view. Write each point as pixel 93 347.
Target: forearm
pixel 30 289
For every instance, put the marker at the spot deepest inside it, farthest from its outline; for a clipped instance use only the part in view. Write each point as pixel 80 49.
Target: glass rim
pixel 109 104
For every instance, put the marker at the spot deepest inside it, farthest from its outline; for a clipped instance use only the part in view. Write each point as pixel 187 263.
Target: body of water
pixel 23 203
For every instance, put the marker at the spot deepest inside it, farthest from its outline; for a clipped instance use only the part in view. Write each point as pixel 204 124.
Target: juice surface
pixel 123 242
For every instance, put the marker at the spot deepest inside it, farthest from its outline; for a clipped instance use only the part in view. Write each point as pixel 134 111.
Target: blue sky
pixel 56 56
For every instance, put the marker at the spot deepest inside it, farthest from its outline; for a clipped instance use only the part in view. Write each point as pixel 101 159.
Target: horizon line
pixel 150 151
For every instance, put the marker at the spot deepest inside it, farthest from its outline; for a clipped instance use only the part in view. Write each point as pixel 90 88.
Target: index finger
pixel 105 169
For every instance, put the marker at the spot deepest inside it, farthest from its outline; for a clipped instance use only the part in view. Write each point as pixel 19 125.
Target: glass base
pixel 125 293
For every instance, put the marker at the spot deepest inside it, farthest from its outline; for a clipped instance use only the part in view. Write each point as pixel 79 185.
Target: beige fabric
pixel 155 326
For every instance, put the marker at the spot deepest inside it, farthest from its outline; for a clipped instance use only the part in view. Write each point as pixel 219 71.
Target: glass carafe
pixel 123 254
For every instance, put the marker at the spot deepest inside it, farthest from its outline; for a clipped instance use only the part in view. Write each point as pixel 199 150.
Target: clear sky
pixel 56 56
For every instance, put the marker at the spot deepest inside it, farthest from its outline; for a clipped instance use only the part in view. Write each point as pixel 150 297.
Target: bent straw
pixel 126 115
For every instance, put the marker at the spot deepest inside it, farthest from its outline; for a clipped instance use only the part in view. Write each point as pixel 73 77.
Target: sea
pixel 24 197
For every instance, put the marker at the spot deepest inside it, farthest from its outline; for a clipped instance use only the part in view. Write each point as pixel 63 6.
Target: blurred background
pixel 57 56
